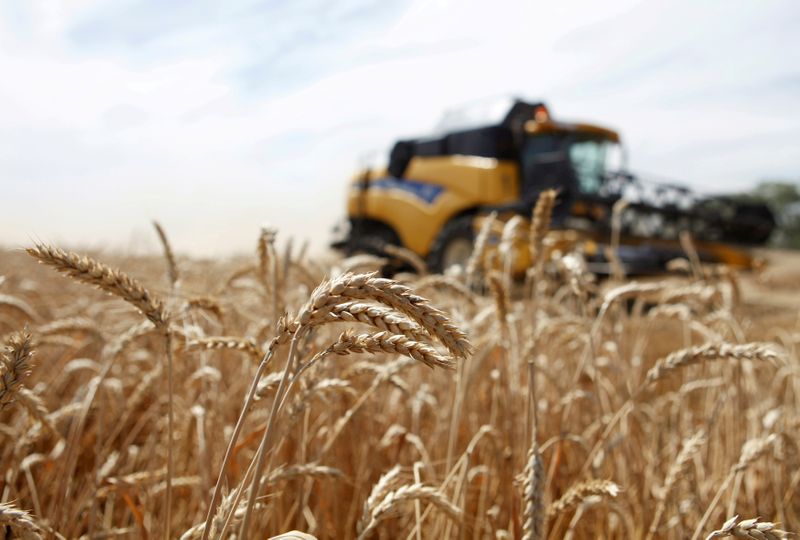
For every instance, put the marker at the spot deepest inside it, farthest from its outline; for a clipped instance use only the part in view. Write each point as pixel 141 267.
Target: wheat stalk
pixel 407 256
pixel 446 284
pixel 172 266
pixel 20 306
pixel 678 469
pixel 751 451
pixel 501 300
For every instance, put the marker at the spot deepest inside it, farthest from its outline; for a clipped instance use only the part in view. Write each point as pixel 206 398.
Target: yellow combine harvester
pixel 434 191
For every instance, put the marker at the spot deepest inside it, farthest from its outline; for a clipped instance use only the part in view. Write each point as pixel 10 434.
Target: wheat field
pixel 170 397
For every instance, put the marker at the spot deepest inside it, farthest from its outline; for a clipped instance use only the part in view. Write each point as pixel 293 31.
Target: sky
pixel 218 117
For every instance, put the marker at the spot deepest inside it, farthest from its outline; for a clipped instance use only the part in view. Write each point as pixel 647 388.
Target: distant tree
pixel 783 198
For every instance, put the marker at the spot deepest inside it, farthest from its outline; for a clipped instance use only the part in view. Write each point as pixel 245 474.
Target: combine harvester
pixel 435 192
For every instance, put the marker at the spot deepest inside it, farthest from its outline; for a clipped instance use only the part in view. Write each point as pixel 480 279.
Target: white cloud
pixel 218 121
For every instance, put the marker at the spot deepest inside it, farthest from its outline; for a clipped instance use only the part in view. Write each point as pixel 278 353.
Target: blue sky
pixel 216 117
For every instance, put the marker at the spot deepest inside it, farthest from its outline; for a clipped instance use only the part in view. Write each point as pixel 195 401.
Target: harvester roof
pixel 492 130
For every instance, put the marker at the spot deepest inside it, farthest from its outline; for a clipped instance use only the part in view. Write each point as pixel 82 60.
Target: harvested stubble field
pixel 575 408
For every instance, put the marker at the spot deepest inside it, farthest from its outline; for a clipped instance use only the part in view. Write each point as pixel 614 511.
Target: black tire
pixel 369 237
pixel 458 229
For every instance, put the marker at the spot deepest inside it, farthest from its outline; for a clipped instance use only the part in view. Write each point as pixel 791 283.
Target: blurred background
pixel 216 118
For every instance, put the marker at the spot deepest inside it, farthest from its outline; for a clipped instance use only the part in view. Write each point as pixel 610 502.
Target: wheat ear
pixel 533 496
pixel 349 343
pixel 749 528
pixel 479 249
pixel 412 492
pixel 19 521
pixel 231 343
pixel 540 223
pixel 380 317
pixel 710 351
pixel 580 492
pixel 390 293
pixel 382 487
pixel 103 277
pixel 14 366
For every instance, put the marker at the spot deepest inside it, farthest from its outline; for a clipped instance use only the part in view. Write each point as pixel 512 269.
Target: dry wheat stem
pixel 212 507
pixel 500 300
pixel 172 266
pixel 445 284
pixel 407 256
pixel 678 469
pixel 752 449
pixel 346 344
pixel 688 246
pixel 266 240
pixel 255 486
pixel 20 306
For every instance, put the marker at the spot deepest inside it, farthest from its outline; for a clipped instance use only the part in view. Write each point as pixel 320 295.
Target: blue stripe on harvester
pixel 421 190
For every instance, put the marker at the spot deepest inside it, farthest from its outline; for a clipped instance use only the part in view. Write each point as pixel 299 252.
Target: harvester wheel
pixel 453 246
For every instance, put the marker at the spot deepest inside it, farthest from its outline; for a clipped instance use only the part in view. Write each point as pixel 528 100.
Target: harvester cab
pixel 499 157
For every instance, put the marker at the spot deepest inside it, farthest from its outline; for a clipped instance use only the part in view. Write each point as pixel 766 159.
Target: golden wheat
pixel 281 428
